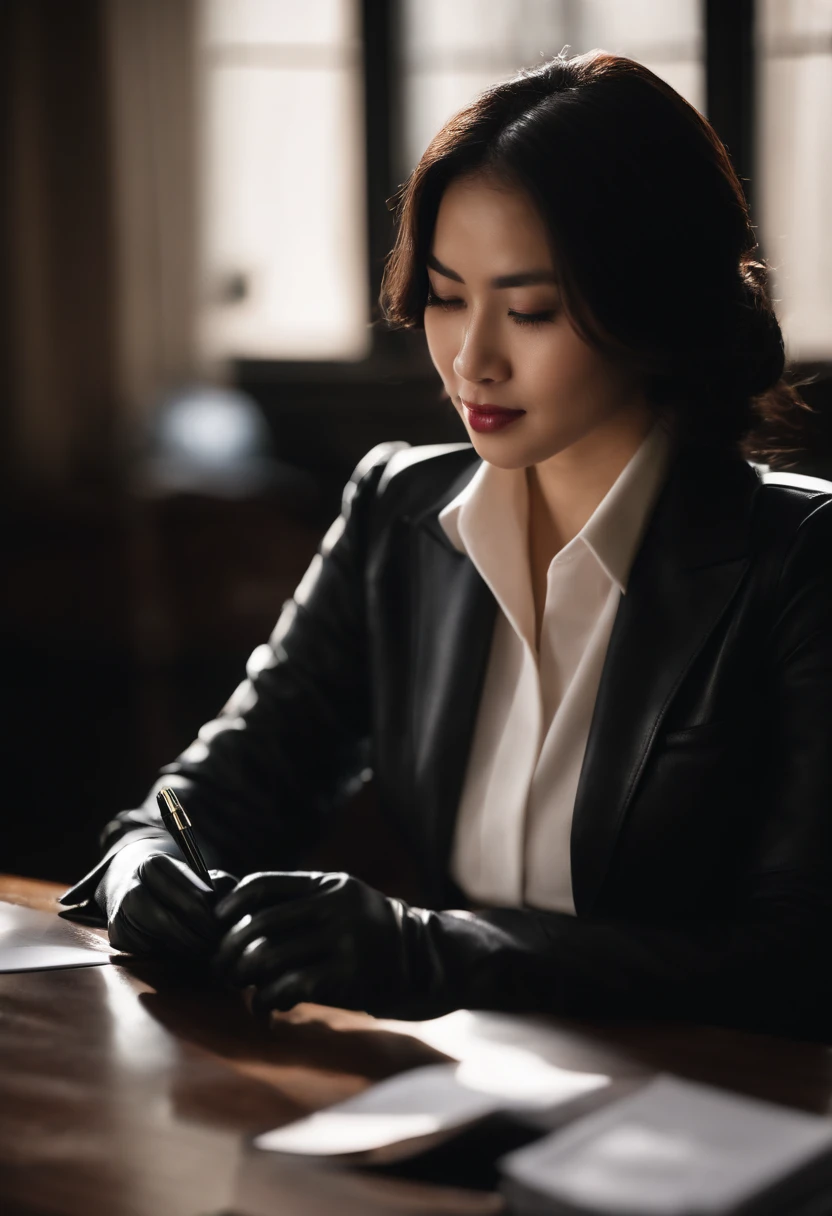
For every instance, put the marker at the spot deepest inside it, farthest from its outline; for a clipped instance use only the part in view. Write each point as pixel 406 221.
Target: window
pixel 283 261
pixel 286 147
pixel 452 51
pixel 794 154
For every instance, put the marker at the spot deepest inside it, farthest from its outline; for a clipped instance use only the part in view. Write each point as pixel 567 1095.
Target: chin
pixel 503 454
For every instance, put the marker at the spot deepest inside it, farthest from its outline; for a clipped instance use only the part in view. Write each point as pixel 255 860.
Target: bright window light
pixel 794 149
pixel 283 247
pixel 454 50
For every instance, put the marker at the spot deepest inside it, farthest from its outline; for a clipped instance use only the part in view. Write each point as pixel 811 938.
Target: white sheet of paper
pixel 673 1147
pixel 48 958
pixel 413 1103
pixel 41 941
pixel 518 1053
pixel 426 1100
pixel 517 1057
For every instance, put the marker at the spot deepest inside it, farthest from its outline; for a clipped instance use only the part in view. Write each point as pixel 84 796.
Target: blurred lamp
pixel 207 439
pixel 212 428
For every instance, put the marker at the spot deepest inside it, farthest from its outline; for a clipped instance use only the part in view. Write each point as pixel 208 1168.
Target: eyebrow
pixel 526 278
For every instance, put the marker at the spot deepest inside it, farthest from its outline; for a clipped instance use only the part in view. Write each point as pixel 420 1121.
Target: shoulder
pixel 792 484
pixel 795 501
pixel 794 527
pixel 406 477
pixel 430 464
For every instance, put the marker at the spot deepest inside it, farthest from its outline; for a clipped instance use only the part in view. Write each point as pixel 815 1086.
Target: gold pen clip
pixel 175 807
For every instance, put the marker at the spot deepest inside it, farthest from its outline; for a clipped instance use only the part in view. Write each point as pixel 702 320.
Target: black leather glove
pixel 155 904
pixel 332 940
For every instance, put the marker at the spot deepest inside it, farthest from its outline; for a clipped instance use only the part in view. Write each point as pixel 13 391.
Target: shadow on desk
pixel 339 1047
pixel 198 1010
pixel 352 1045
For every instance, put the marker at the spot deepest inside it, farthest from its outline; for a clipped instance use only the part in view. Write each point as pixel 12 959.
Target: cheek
pixel 565 361
pixel 441 344
pixel 433 329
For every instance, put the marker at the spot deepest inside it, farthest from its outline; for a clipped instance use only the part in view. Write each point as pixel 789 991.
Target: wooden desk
pixel 129 1090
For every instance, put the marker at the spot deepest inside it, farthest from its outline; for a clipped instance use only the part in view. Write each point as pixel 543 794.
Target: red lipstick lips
pixel 489 417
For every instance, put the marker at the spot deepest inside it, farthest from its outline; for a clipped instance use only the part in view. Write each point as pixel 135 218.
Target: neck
pixel 565 489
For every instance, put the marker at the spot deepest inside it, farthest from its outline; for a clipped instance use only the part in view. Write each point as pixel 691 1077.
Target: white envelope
pixel 674 1148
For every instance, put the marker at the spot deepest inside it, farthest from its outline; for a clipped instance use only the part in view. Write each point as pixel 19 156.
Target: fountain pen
pixel 179 826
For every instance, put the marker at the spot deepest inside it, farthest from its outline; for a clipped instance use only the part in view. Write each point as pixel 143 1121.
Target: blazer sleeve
pixel 767 968
pixel 294 739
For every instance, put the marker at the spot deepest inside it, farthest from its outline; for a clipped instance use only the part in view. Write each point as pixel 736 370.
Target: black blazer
pixel 702 833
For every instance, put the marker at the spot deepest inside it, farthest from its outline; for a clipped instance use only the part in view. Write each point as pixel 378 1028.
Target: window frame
pixel 400 357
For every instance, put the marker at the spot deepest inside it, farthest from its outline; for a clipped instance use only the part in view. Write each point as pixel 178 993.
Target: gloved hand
pixel 155 904
pixel 333 940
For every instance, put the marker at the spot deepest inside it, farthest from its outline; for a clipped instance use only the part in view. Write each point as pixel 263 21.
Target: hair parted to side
pixel 651 239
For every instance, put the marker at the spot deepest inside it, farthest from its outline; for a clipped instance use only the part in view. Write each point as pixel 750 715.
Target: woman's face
pixel 497 333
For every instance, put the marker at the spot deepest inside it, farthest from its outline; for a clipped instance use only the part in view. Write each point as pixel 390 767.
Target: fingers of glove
pixel 313 983
pixel 265 958
pixel 223 883
pixel 124 935
pixel 265 889
pixel 169 874
pixel 161 926
pixel 120 874
pixel 174 885
pixel 281 923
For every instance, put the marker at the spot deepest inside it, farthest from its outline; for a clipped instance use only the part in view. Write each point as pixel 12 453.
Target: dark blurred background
pixel 193 223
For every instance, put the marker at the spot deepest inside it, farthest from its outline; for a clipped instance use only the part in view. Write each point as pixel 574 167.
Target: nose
pixel 479 359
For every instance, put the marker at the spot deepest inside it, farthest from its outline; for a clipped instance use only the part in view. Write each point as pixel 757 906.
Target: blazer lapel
pixel 686 571
pixel 452 626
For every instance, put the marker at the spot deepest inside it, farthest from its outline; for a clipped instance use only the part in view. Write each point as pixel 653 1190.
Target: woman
pixel 587 656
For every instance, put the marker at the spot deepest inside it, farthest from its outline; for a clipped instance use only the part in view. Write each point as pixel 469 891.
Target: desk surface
pixel 130 1089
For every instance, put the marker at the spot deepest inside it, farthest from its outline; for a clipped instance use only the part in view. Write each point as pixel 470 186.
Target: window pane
pixel 283 217
pixel 276 21
pixel 452 51
pixel 795 158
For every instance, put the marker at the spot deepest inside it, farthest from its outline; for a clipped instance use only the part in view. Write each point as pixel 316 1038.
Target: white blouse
pixel 512 836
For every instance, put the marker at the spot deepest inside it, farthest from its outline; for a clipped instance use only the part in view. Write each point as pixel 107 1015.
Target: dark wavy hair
pixel 652 243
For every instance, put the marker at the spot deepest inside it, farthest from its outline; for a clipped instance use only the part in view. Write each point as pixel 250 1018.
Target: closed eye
pixel 520 318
